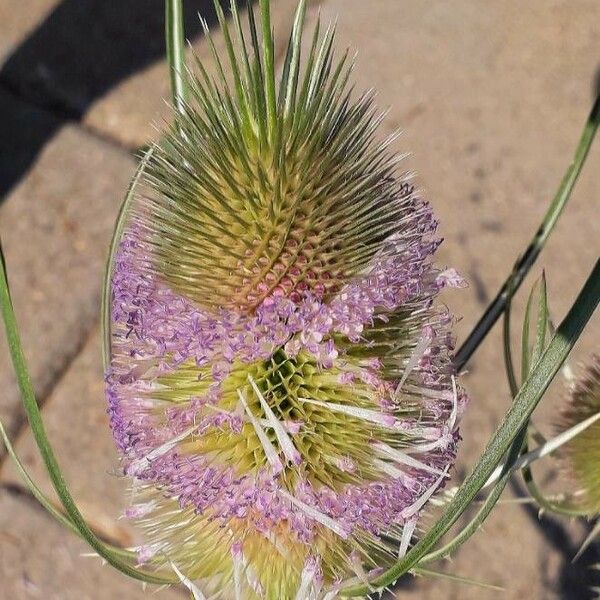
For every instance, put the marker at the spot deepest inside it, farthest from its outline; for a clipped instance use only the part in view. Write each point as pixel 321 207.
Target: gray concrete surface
pixel 56 225
pixel 75 419
pixel 491 98
pixel 39 559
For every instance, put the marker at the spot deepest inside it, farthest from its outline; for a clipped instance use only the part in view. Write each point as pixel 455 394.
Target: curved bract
pixel 280 382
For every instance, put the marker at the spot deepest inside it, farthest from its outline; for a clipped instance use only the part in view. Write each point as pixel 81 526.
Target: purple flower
pixel 280 385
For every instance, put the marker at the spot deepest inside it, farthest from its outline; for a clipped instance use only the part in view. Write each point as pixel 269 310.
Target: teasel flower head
pixel 581 455
pixel 280 382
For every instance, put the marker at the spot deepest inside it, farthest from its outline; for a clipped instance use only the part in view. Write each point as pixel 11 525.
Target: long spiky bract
pixel 280 383
pixel 246 190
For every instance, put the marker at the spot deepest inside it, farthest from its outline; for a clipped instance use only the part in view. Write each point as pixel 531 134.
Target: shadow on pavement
pixel 576 579
pixel 75 56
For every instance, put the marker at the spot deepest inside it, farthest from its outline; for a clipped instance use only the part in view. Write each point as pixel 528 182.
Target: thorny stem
pixel 526 261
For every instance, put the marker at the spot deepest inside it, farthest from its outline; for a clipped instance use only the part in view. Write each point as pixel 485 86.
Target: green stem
pixel 526 261
pixel 175 39
pixel 39 434
pixel 515 419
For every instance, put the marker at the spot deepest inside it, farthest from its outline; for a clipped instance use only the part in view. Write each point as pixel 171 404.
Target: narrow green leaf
pixel 525 349
pixel 310 62
pixel 32 487
pixel 259 78
pixel 541 327
pixel 507 350
pixel 289 81
pixel 233 60
pixel 216 57
pixel 515 419
pixel 248 75
pixel 530 354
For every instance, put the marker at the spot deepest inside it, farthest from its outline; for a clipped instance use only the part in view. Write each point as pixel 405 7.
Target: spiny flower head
pixel 582 453
pixel 280 385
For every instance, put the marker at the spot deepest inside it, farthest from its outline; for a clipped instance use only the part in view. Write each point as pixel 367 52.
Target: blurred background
pixel 491 97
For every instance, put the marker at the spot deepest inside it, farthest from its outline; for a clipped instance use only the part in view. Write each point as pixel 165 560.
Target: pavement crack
pixel 19 422
pixel 64 114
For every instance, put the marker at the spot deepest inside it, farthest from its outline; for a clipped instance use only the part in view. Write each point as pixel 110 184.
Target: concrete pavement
pixel 491 98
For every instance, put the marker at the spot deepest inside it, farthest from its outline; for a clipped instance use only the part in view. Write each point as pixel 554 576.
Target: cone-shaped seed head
pixel 280 384
pixel 582 454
